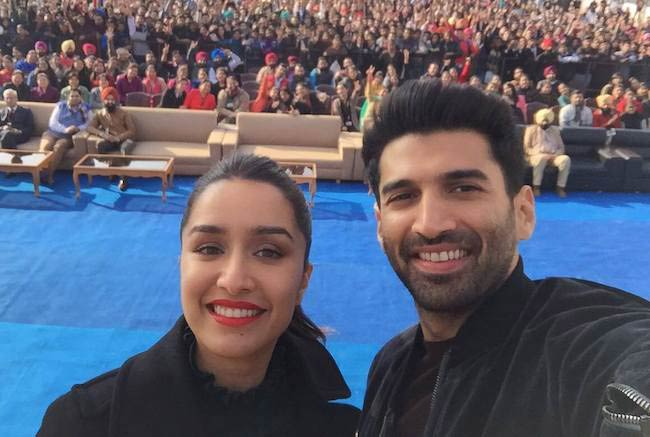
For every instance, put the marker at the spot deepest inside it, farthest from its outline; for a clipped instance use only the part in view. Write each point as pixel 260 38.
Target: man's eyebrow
pixel 465 174
pixel 273 230
pixel 395 185
pixel 208 229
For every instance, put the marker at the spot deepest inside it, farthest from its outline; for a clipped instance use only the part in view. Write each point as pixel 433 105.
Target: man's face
pixel 74 99
pixel 132 72
pixel 232 85
pixel 11 99
pixel 577 99
pixel 17 79
pixel 32 57
pixel 445 220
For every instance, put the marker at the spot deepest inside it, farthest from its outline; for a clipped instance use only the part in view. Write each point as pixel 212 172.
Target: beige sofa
pixel 42 112
pixel 183 134
pixel 302 138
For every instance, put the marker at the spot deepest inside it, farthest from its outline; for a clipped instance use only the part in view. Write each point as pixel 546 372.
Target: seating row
pixel 196 142
pixel 621 165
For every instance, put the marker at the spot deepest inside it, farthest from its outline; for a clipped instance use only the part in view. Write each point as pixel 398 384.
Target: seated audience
pixel 201 98
pixel 16 122
pixel 576 113
pixel 632 118
pixel 18 84
pixel 345 106
pixel 606 116
pixel 128 82
pixel 543 145
pixel 152 84
pixel 115 128
pixel 74 84
pixel 43 91
pixel 231 101
pixel 175 97
pixel 68 118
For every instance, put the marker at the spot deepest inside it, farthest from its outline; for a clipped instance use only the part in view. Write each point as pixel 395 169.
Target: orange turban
pixel 110 91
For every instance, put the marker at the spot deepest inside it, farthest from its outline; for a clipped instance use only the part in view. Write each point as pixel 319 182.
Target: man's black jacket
pixel 534 359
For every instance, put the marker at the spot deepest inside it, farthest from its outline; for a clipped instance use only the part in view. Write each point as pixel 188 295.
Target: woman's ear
pixel 304 283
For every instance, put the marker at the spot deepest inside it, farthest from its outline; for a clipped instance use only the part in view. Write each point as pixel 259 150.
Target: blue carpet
pixel 86 283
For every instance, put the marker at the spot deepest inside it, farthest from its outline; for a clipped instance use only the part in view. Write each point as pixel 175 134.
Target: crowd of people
pixel 181 53
pixel 328 57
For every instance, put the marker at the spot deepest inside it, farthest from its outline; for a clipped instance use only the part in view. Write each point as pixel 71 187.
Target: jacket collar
pixel 495 318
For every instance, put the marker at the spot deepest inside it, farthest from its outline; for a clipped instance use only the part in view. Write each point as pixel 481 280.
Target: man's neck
pixel 441 326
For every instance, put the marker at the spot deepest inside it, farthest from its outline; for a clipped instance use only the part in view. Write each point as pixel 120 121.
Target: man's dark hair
pixel 576 92
pixel 426 106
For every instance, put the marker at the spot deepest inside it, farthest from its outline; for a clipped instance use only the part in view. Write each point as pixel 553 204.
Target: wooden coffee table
pixel 25 161
pixel 302 173
pixel 125 165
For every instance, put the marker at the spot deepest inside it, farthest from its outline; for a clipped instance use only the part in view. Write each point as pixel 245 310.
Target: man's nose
pixel 434 216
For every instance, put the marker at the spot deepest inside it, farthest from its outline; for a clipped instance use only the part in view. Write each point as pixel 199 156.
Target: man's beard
pixel 458 292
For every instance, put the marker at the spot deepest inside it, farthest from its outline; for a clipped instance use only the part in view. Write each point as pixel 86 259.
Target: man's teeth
pixel 442 256
pixel 235 313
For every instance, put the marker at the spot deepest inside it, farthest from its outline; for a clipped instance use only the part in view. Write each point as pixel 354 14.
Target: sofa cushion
pixel 631 138
pixel 318 131
pixel 592 136
pixel 183 152
pixel 324 157
pixel 170 125
pixel 579 150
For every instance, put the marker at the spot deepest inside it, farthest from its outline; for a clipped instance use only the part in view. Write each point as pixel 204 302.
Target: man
pixel 16 122
pixel 74 84
pixel 128 82
pixel 231 101
pixel 68 118
pixel 543 145
pixel 494 354
pixel 28 64
pixel 115 128
pixel 18 84
pixel 576 114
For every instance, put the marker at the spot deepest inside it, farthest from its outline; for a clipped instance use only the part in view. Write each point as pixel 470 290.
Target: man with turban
pixel 543 145
pixel 606 115
pixel 41 48
pixel 114 129
pixel 89 49
pixel 68 48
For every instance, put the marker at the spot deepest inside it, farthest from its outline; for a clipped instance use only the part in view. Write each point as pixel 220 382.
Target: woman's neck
pixel 237 374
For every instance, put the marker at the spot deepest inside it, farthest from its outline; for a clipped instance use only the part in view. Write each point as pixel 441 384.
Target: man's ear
pixel 306 275
pixel 524 205
pixel 378 218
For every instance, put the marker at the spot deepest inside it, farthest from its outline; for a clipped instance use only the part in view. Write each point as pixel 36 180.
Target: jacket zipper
pixel 431 420
pixel 638 399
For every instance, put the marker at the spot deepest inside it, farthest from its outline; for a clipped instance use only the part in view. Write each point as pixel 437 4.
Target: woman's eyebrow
pixel 273 230
pixel 208 229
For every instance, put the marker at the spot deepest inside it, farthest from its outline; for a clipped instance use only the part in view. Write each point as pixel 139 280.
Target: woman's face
pixel 242 270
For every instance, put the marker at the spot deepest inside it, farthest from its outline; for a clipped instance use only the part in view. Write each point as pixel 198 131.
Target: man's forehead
pixel 433 154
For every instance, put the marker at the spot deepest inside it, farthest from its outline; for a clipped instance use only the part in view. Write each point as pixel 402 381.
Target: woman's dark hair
pixel 265 170
pixel 427 106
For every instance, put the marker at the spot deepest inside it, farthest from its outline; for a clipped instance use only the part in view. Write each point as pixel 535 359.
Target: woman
pixel 243 360
pixel 201 98
pixel 152 84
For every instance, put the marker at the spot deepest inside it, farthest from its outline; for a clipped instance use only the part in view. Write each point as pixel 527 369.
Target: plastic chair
pixel 138 98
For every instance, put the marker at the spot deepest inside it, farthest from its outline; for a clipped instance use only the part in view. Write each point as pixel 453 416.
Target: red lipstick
pixel 234 313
